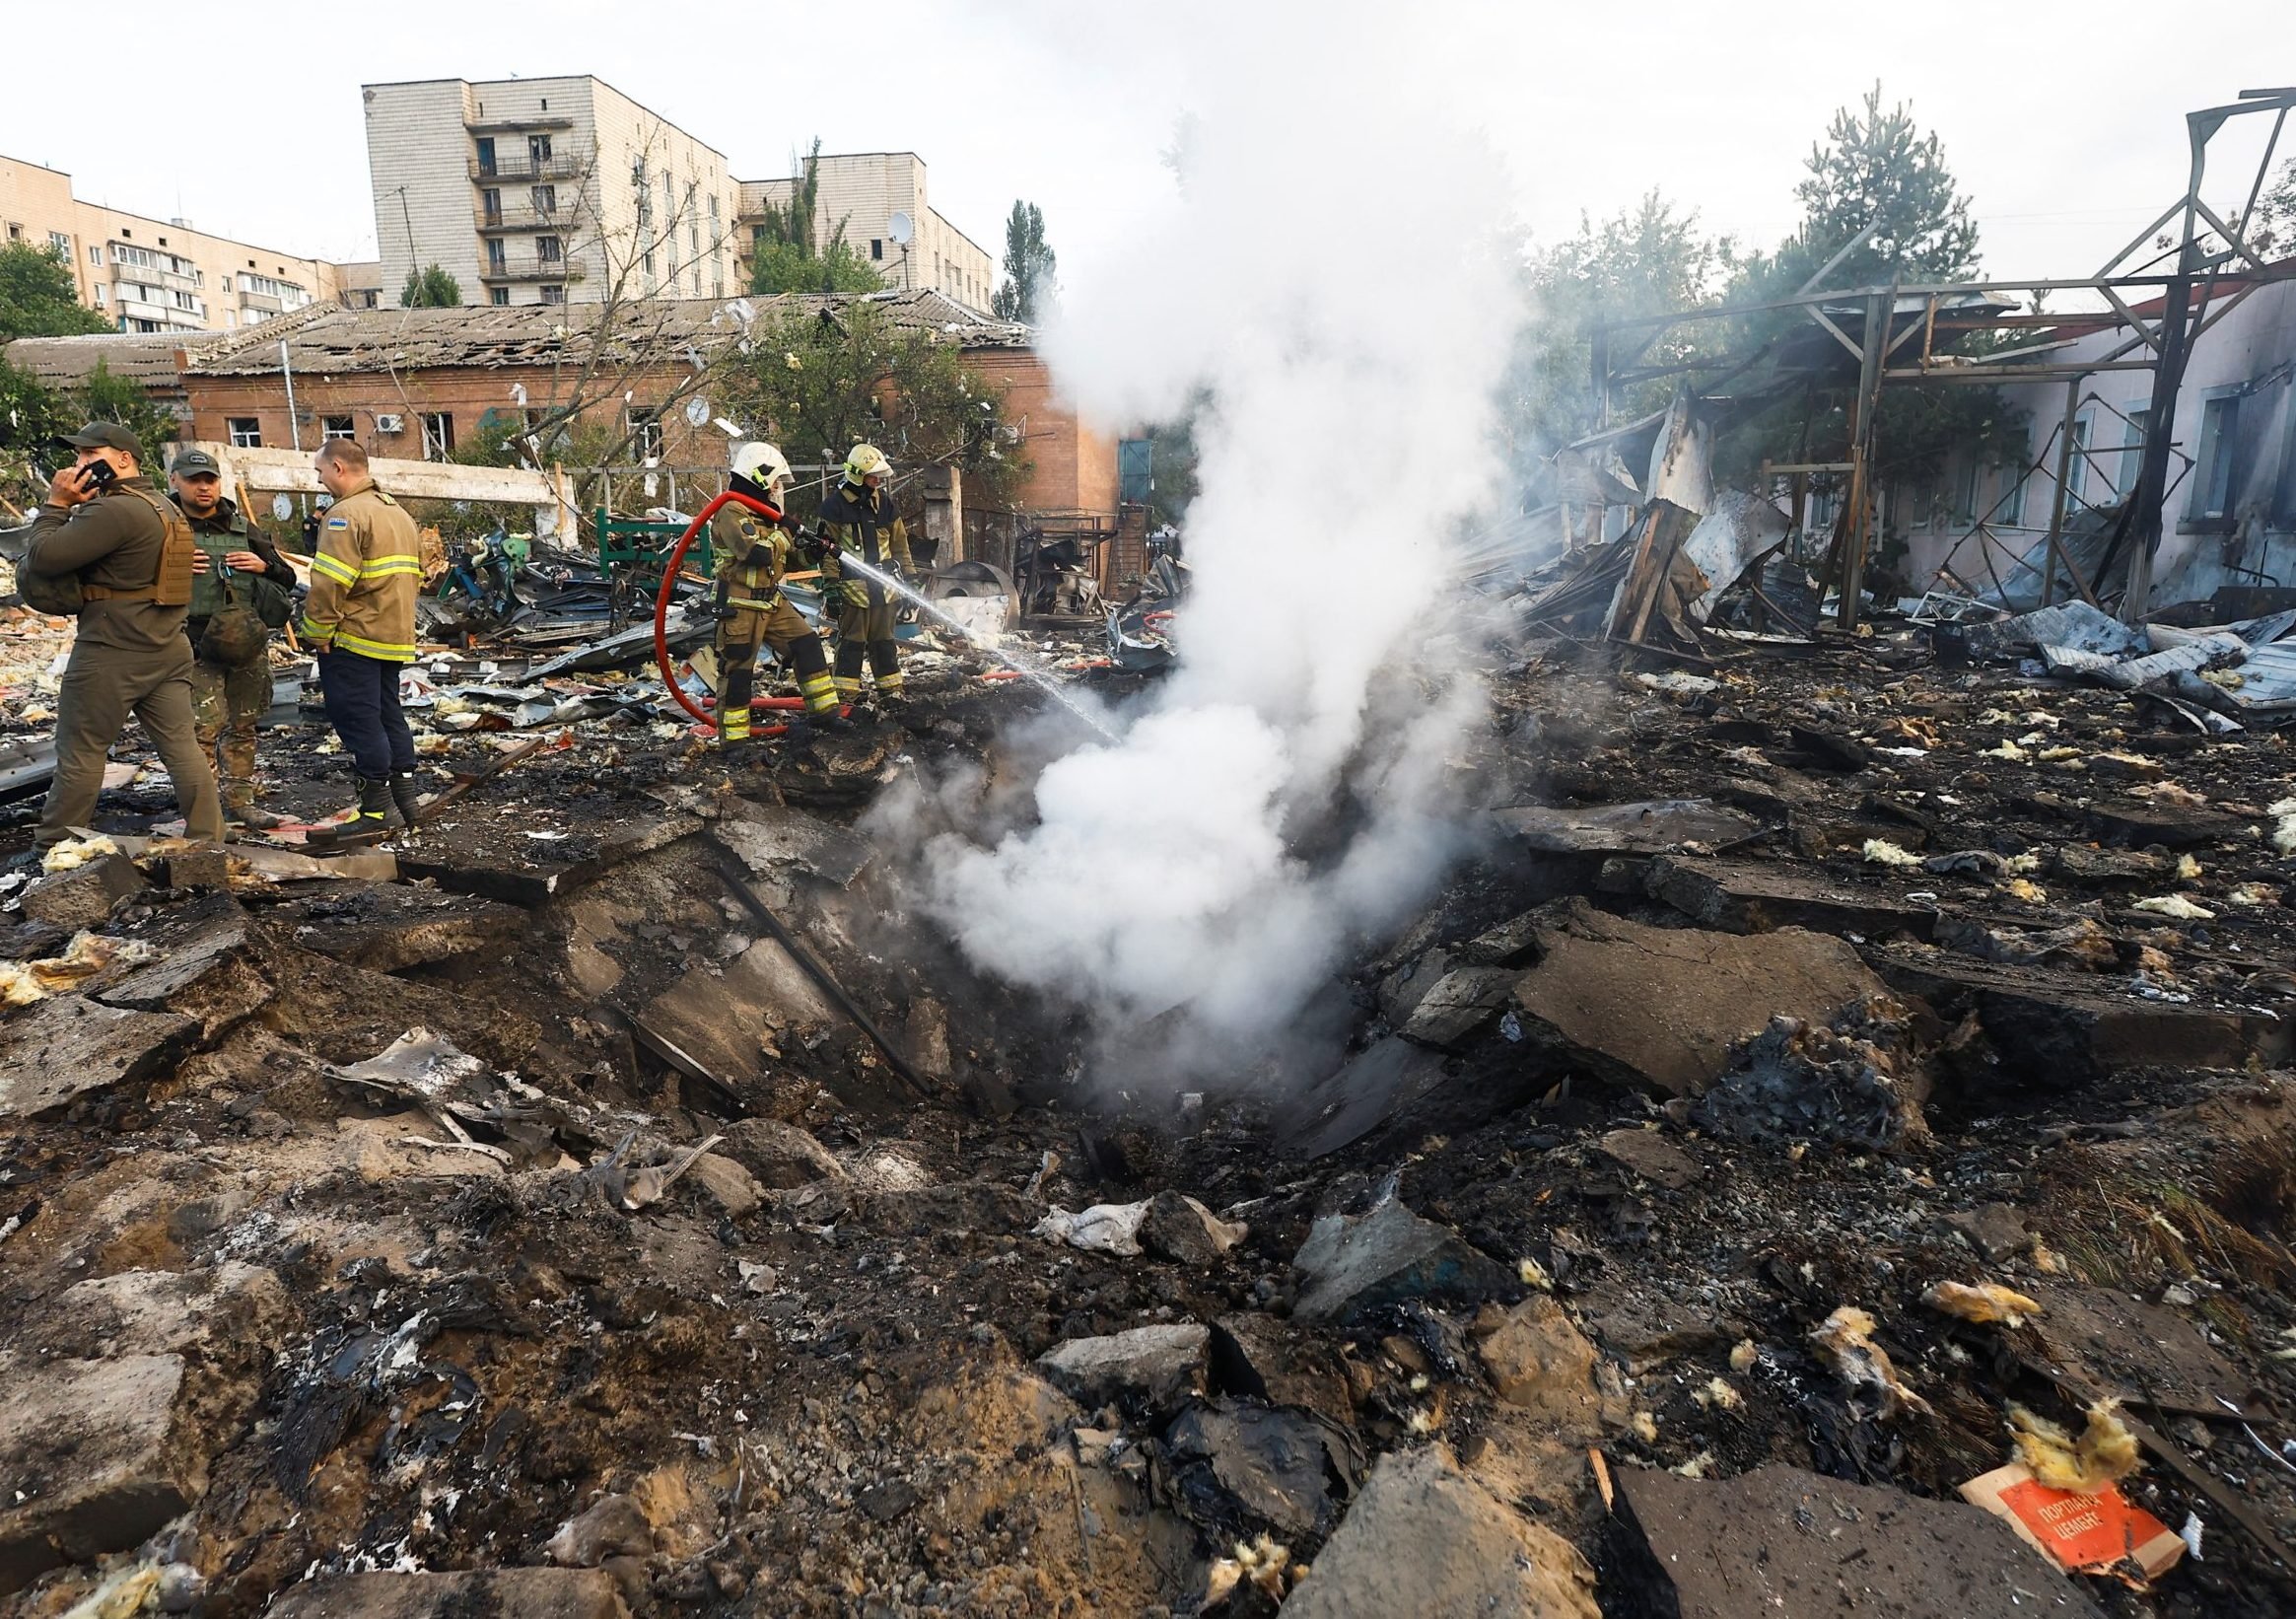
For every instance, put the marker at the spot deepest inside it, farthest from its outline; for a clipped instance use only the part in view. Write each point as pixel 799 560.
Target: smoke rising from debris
pixel 1329 269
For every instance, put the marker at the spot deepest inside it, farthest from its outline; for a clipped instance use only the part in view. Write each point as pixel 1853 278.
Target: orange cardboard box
pixel 2076 1531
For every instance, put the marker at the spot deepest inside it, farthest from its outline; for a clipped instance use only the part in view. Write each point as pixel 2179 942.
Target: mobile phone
pixel 97 475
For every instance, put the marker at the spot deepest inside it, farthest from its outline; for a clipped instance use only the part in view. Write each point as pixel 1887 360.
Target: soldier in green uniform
pixel 858 515
pixel 752 555
pixel 130 553
pixel 230 629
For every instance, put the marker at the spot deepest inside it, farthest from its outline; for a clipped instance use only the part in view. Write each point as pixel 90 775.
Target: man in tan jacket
pixel 365 570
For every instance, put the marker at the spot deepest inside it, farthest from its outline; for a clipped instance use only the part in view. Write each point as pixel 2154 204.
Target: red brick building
pixel 416 383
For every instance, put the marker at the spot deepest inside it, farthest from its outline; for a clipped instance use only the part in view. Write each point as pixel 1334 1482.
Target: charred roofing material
pixel 339 342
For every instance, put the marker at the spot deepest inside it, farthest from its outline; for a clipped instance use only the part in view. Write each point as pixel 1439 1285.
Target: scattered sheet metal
pixel 1739 530
pixel 2075 625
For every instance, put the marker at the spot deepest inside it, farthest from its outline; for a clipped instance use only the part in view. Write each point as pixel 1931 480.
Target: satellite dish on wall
pixel 901 228
pixel 281 508
pixel 697 411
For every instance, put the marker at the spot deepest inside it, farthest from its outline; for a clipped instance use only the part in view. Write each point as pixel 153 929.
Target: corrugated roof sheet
pixel 145 357
pixel 337 341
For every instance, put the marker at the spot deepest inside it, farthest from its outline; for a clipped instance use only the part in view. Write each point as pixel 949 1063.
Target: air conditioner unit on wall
pixel 390 424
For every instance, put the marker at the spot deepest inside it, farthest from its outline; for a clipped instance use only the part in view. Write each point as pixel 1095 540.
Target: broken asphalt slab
pixel 1663 1006
pixel 1780 1541
pixel 2055 1029
pixel 389 927
pixel 94 1460
pixel 1157 1367
pixel 1424 1540
pixel 67 1046
pixel 1648 828
pixel 1390 1254
pixel 505 864
pixel 1758 897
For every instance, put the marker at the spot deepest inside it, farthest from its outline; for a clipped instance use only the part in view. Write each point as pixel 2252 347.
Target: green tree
pixel 103 396
pixel 785 266
pixel 37 298
pixel 791 253
pixel 818 383
pixel 31 413
pixel 1649 259
pixel 1030 264
pixel 1874 169
pixel 1878 170
pixel 2272 225
pixel 429 289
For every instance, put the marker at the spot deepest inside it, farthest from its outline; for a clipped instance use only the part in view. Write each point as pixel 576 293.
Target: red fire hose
pixel 670 573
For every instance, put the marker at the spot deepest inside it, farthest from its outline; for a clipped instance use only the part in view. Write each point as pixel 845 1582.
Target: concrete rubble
pixel 616 1200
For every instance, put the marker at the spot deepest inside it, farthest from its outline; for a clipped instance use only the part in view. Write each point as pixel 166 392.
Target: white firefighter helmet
pixel 865 460
pixel 761 463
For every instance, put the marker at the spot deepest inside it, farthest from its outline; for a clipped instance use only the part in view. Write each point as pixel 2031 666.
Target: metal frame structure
pixel 2160 341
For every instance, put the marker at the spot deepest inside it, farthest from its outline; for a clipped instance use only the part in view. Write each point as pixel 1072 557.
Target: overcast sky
pixel 2065 124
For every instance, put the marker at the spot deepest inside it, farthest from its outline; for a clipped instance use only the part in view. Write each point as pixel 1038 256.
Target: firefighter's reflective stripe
pixel 819 692
pixel 752 604
pixel 383 567
pixel 336 569
pixel 389 652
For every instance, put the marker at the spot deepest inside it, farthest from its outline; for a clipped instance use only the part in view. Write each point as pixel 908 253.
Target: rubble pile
pixel 1828 1150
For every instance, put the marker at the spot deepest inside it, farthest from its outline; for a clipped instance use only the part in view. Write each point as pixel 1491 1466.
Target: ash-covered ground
pixel 526 1229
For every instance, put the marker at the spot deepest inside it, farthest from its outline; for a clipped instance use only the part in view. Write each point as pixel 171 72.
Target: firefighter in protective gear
pixel 858 515
pixel 752 555
pixel 366 571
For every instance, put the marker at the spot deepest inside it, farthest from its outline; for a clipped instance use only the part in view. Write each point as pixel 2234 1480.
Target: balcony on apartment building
pixel 521 217
pixel 165 316
pixel 509 266
pixel 527 124
pixel 518 169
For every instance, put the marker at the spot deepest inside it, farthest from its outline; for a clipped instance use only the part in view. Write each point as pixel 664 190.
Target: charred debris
pixel 1830 1149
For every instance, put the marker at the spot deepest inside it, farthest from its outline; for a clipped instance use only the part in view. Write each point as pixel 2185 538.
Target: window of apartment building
pixel 60 244
pixel 713 215
pixel 550 249
pixel 438 435
pixel 718 286
pixel 552 295
pixel 102 295
pixel 2215 477
pixel 649 265
pixel 95 253
pixel 335 427
pixel 645 425
pixel 877 246
pixel 490 204
pixel 498 295
pixel 187 301
pixel 497 259
pixel 486 154
pixel 537 148
pixel 546 199
pixel 245 432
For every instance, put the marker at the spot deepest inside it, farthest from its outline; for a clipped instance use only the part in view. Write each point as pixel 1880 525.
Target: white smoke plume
pixel 1331 267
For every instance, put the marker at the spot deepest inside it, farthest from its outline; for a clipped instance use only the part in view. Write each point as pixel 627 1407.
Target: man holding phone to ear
pixel 132 553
